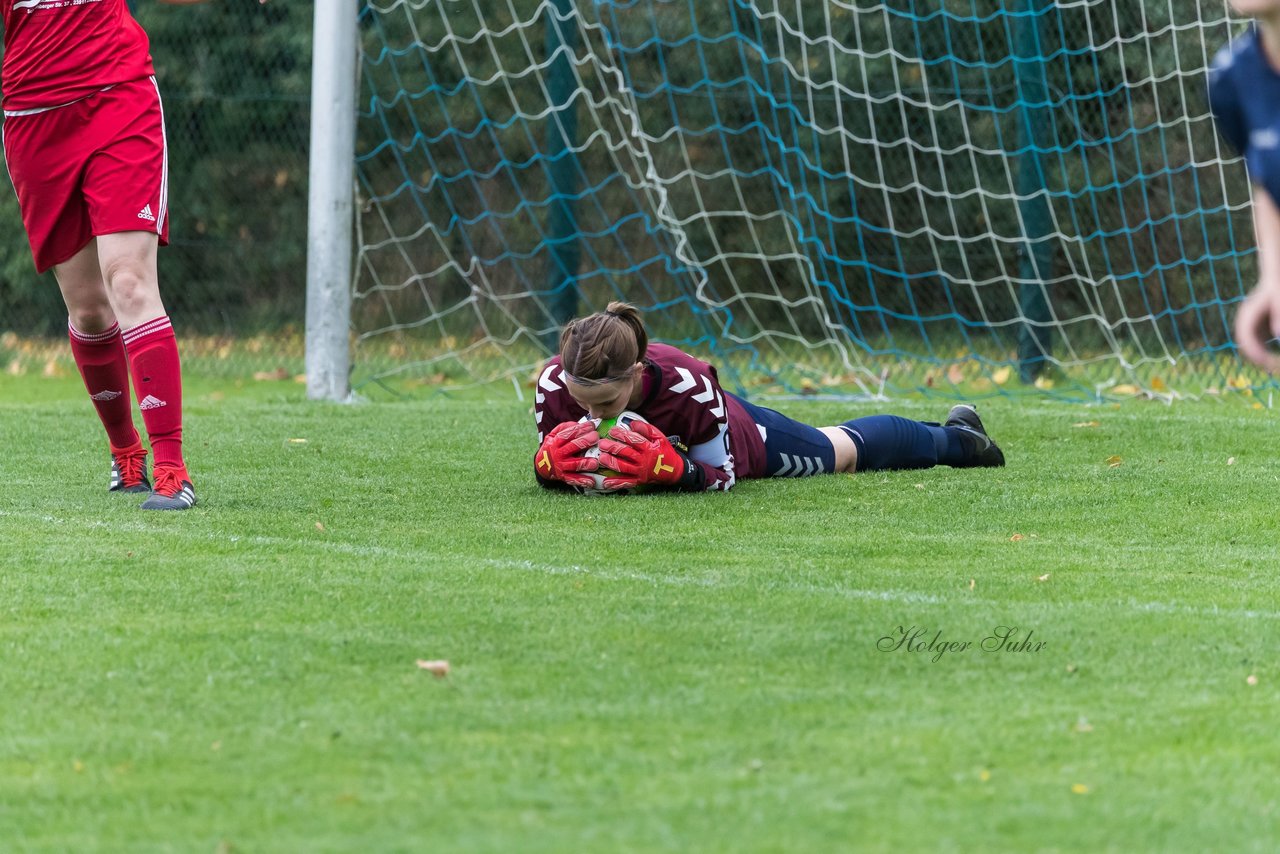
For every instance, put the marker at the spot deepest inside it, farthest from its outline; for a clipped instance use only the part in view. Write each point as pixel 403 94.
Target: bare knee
pixel 88 308
pixel 91 318
pixel 846 450
pixel 125 280
pixel 134 290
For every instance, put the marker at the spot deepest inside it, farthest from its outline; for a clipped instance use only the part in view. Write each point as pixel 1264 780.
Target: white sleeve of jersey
pixel 546 384
pixel 714 452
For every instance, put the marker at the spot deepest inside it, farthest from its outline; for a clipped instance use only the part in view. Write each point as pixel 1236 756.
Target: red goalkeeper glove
pixel 561 455
pixel 642 455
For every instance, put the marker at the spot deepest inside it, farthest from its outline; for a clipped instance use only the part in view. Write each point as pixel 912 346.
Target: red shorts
pixel 96 166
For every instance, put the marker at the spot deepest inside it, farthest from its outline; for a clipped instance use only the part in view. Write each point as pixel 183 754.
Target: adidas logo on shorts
pixel 151 402
pixel 146 214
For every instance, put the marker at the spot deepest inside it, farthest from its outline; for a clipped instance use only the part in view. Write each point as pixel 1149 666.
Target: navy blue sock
pixel 893 442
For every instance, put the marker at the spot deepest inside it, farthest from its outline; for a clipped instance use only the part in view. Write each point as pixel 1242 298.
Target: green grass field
pixel 678 673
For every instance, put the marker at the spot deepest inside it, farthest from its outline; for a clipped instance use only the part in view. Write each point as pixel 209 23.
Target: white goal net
pixel 966 196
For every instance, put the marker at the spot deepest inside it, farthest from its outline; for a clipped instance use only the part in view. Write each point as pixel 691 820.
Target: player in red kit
pixel 699 436
pixel 85 148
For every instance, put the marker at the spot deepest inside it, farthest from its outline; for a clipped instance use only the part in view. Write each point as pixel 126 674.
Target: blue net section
pixel 964 197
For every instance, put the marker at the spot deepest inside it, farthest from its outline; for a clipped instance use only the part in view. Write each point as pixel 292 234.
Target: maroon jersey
pixel 683 399
pixel 59 51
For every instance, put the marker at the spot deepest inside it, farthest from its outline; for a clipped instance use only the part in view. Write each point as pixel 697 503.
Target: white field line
pixel 407 557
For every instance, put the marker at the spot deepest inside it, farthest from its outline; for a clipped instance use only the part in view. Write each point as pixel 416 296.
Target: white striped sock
pixel 159 324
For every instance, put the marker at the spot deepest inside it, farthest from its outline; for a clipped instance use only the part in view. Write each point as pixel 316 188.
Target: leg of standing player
pixel 98 349
pixel 128 264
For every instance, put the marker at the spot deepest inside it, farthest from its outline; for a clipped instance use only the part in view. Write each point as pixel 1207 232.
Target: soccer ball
pixel 626 419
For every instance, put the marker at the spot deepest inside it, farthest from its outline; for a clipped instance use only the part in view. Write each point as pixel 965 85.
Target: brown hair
pixel 604 345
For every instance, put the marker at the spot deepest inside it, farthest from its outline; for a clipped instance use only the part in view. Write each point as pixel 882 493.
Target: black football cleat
pixel 129 470
pixel 982 451
pixel 172 491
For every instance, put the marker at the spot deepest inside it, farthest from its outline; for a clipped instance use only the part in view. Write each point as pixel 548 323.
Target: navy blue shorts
pixel 792 449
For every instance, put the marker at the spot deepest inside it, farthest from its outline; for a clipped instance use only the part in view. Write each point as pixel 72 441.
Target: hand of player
pixel 640 455
pixel 560 455
pixel 1257 322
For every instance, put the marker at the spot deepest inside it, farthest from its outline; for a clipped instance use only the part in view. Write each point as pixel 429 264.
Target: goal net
pixel 964 196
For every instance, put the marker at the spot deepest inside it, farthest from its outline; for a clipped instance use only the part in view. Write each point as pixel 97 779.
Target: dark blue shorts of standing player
pixel 792 449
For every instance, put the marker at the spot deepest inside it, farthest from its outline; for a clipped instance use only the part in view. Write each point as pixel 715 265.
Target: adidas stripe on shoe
pixel 129 470
pixel 172 491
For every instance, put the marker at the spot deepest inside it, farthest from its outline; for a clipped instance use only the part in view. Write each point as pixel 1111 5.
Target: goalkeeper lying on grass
pixel 695 436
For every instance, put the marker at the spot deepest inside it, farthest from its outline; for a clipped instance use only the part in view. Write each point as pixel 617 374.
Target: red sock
pixel 157 381
pixel 105 369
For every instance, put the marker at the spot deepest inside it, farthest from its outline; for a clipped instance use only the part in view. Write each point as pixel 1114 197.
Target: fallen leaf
pixel 919 486
pixel 319 526
pixel 1125 389
pixel 955 375
pixel 1086 424
pixel 438 378
pixel 1016 538
pixel 972 583
pixel 297 441
pixel 984 775
pixel 1001 375
pixel 438 668
pixel 1044 383
pixel 1080 789
pixel 1231 461
pixel 1114 461
pixel 1251 680
pixel 1157 384
pixel 1071 668
pixel 1044 577
pixel 277 374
